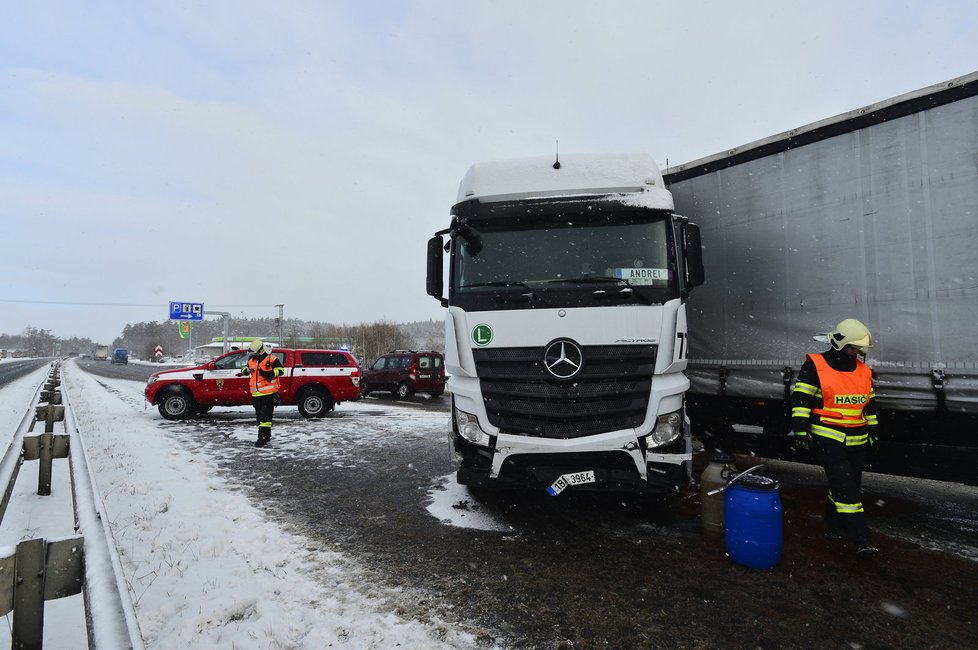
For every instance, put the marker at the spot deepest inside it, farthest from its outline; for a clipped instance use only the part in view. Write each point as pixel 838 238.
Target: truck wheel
pixel 315 403
pixel 177 405
pixel 435 395
pixel 404 391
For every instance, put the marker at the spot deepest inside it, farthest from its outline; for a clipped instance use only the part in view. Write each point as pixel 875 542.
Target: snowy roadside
pixel 205 568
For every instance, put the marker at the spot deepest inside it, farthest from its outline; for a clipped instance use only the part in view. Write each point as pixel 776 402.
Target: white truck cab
pixel 566 324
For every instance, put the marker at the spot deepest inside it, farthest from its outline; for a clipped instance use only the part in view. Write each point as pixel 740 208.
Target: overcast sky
pixel 246 154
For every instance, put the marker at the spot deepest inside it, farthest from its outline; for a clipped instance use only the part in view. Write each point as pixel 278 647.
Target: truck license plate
pixel 567 480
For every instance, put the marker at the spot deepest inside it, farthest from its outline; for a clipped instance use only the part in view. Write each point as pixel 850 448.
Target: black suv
pixel 405 372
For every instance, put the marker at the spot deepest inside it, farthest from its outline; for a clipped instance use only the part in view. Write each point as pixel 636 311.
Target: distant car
pixel 405 372
pixel 120 355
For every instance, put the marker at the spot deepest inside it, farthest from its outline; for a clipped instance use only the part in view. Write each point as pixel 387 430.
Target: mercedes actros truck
pixel 565 332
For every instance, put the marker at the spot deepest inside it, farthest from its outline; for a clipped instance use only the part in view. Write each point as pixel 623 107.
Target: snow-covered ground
pixel 205 567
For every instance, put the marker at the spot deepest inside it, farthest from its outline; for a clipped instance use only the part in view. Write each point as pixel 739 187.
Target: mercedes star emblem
pixel 563 359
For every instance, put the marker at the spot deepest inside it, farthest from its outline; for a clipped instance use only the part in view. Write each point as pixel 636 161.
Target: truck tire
pixel 315 403
pixel 177 405
pixel 364 389
pixel 404 391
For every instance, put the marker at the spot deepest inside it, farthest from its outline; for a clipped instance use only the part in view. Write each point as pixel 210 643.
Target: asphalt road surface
pixel 133 371
pixel 17 368
pixel 587 571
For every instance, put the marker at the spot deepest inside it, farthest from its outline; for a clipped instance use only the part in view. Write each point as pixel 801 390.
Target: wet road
pixel 17 368
pixel 133 371
pixel 581 571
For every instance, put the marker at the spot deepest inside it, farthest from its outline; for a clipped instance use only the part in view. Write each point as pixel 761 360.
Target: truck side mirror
pixel 435 280
pixel 693 249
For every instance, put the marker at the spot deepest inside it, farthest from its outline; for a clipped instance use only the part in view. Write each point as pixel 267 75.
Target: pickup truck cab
pixel 314 380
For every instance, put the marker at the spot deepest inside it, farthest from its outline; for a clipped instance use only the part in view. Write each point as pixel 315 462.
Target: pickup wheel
pixel 315 403
pixel 404 390
pixel 177 405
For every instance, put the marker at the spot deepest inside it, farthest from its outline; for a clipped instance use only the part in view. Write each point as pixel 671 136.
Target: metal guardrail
pixel 40 569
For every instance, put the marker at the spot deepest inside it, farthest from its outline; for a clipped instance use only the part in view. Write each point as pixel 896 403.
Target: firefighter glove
pixel 800 442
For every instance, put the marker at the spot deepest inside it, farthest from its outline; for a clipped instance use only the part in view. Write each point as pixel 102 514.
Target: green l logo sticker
pixel 481 334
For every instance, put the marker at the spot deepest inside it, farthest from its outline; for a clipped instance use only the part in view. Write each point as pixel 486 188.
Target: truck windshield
pixel 624 253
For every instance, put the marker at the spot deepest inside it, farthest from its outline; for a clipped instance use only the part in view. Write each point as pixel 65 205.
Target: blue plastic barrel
pixel 752 521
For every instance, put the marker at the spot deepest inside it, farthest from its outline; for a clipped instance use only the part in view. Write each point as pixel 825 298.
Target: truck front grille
pixel 610 392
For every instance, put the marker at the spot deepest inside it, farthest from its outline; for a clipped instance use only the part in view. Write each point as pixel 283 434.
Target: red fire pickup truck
pixel 314 380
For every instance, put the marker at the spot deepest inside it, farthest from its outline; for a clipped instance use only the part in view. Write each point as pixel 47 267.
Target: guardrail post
pixel 36 571
pixel 28 630
pixel 44 468
pixel 50 414
pixel 46 446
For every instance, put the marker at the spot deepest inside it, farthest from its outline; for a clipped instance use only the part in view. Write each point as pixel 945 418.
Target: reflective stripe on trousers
pixel 843 467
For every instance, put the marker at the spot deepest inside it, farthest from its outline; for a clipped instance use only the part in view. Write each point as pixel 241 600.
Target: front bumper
pixel 619 464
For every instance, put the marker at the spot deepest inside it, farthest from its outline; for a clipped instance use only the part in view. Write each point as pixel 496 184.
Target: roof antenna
pixel 557 155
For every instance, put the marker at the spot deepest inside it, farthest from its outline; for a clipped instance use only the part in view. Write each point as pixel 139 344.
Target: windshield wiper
pixel 529 295
pixel 589 278
pixel 627 291
pixel 497 283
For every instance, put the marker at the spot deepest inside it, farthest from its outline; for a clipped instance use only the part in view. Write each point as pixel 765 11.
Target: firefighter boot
pixel 264 435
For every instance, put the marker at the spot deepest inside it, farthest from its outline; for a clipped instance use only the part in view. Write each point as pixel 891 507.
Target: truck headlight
pixel 151 380
pixel 668 427
pixel 469 428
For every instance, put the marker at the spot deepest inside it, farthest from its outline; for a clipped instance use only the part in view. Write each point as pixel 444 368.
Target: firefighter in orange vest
pixel 832 414
pixel 263 371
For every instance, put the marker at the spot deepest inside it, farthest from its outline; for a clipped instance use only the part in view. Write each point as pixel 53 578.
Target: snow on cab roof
pixel 578 174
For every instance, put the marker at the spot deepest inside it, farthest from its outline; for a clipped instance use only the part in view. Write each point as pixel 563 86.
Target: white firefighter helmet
pixel 851 332
pixel 256 346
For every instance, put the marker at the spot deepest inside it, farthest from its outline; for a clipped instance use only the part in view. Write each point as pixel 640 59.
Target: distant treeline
pixel 366 341
pixel 42 343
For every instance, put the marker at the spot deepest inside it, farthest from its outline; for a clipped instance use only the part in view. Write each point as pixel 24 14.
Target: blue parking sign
pixel 186 311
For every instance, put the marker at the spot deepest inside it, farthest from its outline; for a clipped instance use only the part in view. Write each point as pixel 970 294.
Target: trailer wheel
pixel 315 403
pixel 177 405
